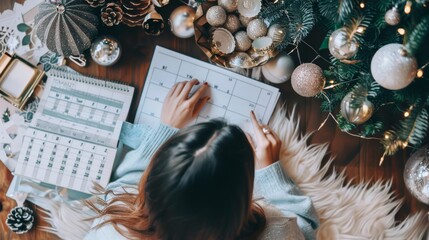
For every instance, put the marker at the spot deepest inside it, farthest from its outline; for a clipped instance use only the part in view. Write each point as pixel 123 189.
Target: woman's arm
pixel 275 186
pixel 177 111
pixel 279 190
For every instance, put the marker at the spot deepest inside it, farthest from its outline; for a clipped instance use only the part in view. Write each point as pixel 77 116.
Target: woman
pixel 198 182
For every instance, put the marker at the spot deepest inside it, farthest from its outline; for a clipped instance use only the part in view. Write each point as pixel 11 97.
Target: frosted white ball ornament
pixel 392 68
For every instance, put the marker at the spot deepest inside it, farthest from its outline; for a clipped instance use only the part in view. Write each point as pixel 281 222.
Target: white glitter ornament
pixel 308 80
pixel 242 41
pixel 392 17
pixel 228 5
pixel 279 69
pixel 216 16
pixel 232 23
pixel 256 28
pixel 392 68
pixel 341 45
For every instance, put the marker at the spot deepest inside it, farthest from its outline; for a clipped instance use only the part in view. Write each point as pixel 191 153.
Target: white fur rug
pixel 362 211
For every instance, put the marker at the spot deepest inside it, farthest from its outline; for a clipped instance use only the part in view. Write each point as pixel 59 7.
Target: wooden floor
pixel 358 157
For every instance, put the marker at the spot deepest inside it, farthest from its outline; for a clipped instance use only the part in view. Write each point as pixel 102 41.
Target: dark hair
pixel 200 184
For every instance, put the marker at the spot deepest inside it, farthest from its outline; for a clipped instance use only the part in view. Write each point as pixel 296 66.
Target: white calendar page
pixel 233 96
pixel 73 136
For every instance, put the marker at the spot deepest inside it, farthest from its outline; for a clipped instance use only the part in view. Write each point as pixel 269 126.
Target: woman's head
pixel 199 184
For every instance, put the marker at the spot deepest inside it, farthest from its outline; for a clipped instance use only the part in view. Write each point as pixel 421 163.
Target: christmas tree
pixel 379 76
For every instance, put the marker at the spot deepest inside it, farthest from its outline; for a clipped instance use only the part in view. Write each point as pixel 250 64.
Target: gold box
pixel 18 79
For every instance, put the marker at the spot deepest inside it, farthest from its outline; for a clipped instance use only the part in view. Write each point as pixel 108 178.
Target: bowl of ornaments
pixel 232 35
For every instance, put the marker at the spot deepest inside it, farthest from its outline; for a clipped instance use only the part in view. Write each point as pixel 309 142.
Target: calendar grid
pixel 232 96
pixel 74 134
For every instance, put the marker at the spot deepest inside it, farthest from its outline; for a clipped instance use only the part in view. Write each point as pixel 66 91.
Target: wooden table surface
pixel 358 157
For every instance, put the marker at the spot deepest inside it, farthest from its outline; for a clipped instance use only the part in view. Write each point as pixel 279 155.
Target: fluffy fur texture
pixel 347 211
pixel 362 211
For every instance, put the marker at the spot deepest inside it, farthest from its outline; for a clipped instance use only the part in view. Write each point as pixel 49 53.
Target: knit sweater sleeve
pixel 278 189
pixel 145 141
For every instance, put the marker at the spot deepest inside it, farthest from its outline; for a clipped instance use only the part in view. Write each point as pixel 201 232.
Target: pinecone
pixel 111 14
pixel 135 11
pixel 20 219
pixel 96 3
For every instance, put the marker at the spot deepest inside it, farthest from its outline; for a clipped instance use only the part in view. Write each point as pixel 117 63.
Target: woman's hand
pixel 178 108
pixel 266 144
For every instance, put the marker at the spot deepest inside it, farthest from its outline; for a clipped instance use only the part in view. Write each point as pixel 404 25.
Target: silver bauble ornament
pixel 277 33
pixel 232 23
pixel 182 21
pixel 356 108
pixel 278 69
pixel 392 17
pixel 240 60
pixel 308 80
pixel 228 5
pixel 256 28
pixel 216 16
pixel 416 174
pixel 392 68
pixel 153 24
pixel 242 41
pixel 106 51
pixel 341 45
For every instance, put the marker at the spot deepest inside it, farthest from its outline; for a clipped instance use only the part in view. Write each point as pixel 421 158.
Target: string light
pixel 405 144
pixel 406 114
pixel 386 136
pixel 401 31
pixel 407 8
pixel 362 5
pixel 420 73
pixel 331 81
pixel 360 29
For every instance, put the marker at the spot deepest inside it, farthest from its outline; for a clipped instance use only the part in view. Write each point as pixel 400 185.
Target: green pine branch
pixel 417 38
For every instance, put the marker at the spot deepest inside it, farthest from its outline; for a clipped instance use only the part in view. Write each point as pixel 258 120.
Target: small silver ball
pixel 392 17
pixel 341 46
pixel 416 174
pixel 182 21
pixel 216 16
pixel 106 51
pixel 308 80
pixel 256 28
pixel 242 41
pixel 228 5
pixel 232 23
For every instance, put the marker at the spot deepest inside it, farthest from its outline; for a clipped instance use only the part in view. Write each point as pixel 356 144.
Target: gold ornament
pixel 216 16
pixel 153 24
pixel 277 33
pixel 341 45
pixel 356 108
pixel 256 28
pixel 232 23
pixel 182 21
pixel 308 80
pixel 392 68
